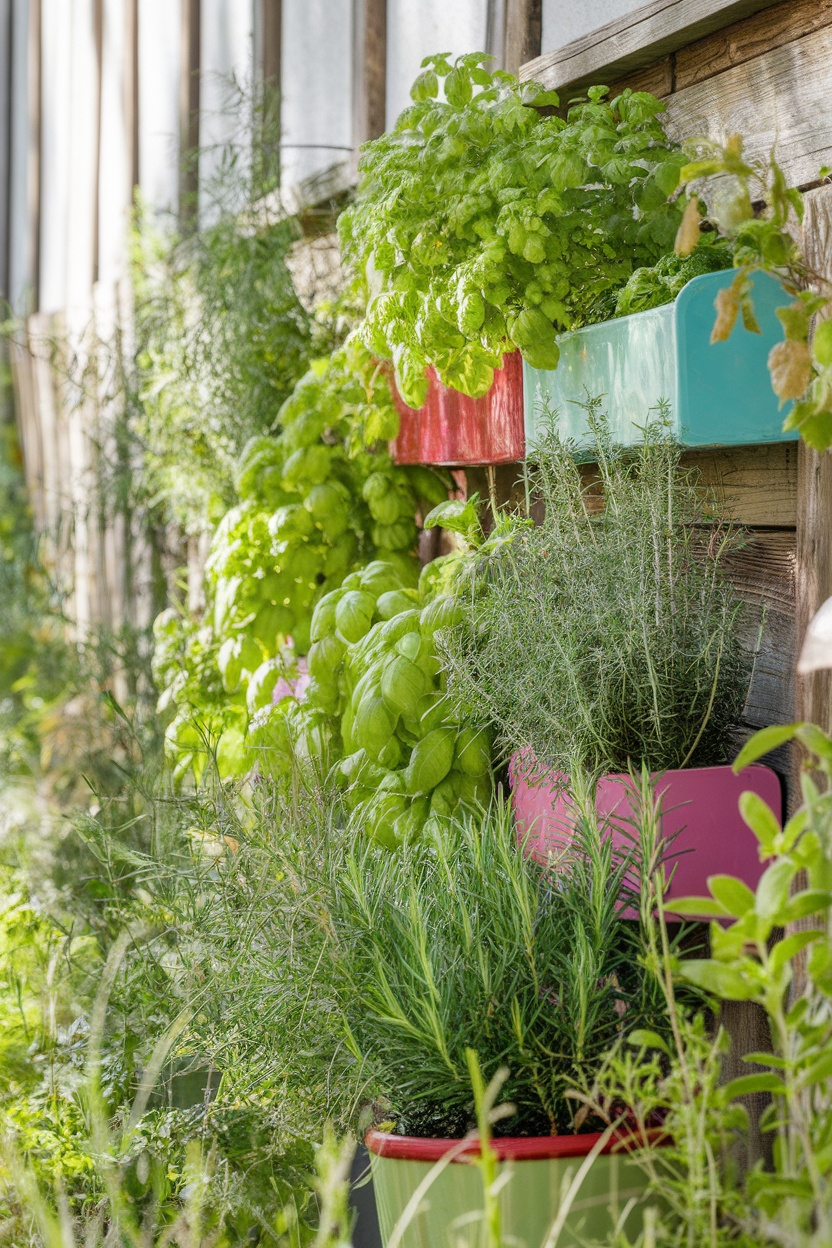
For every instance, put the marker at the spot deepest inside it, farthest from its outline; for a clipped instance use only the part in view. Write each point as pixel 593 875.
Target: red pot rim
pixel 507 1148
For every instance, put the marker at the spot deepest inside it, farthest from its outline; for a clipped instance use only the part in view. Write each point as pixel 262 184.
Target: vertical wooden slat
pixel 369 89
pixel 814 491
pixel 189 109
pixel 270 35
pixel 523 20
pixel 34 171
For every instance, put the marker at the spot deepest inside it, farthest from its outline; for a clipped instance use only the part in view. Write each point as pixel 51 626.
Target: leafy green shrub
pixel 489 222
pixel 608 634
pixel 375 706
pixel 321 499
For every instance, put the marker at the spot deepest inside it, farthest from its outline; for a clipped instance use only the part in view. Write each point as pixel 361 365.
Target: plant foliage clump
pixel 222 334
pixel 607 635
pixel 483 224
pixel 370 973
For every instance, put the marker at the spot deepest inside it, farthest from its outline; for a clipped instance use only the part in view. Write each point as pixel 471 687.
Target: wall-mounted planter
pixel 719 395
pixel 698 803
pixel 457 431
pixel 529 1199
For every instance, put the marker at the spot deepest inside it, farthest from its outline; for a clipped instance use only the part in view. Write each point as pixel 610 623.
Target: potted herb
pixel 453 429
pixel 485 223
pixel 608 638
pixel 382 971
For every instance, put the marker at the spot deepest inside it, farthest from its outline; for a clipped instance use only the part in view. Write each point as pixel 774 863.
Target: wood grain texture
pixel 635 40
pixel 780 100
pixel 657 78
pixel 758 484
pixel 748 39
pixel 369 69
pixel 269 20
pixel 521 41
pixel 814 497
pixel 763 573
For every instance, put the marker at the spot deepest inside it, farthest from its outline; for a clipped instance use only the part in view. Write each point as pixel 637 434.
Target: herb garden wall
pixel 373 623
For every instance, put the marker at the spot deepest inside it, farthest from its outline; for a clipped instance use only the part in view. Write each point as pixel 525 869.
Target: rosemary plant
pixel 607 635
pixel 359 978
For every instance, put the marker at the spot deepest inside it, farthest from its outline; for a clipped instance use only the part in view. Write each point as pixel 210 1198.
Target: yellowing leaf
pixel 687 235
pixel 790 366
pixel 727 304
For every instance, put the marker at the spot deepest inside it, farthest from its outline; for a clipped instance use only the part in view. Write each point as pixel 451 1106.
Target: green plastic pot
pixel 540 1171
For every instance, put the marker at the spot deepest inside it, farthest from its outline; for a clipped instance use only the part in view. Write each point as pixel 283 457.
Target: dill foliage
pixel 608 634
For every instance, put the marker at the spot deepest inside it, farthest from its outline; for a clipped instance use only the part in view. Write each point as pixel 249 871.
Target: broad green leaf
pixel 801 905
pixel 789 946
pixel 706 906
pixel 773 890
pixel 816 741
pixel 731 893
pixel 647 1040
pixel 746 1084
pixel 762 742
pixel 719 980
pixel 766 1059
pixel 455 515
pixel 819 1071
pixel 761 819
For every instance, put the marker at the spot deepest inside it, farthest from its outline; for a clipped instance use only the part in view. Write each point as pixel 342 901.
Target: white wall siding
pixel 414 31
pixel 159 66
pixel 226 47
pixel 316 78
pixel 565 20
pixel 114 188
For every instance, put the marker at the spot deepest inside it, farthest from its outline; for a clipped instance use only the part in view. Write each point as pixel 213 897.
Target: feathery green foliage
pixel 607 635
pixel 362 976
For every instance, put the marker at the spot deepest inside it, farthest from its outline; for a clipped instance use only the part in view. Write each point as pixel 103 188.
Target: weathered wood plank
pixel 750 38
pixel 757 483
pixel 369 67
pixel 763 573
pixel 635 40
pixel 656 78
pixel 780 100
pixel 521 42
pixel 814 496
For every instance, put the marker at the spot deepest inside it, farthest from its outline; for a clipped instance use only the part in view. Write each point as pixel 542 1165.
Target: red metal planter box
pixel 456 431
pixel 698 803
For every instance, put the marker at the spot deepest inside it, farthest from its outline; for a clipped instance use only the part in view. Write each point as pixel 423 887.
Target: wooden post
pixel 189 111
pixel 521 41
pixel 814 492
pixel 369 93
pixel 267 34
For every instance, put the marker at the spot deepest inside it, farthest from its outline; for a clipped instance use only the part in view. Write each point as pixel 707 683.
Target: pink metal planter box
pixel 700 803
pixel 455 430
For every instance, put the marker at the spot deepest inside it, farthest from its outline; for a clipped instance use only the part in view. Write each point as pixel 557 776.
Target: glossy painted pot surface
pixel 718 395
pixel 455 430
pixel 699 807
pixel 538 1171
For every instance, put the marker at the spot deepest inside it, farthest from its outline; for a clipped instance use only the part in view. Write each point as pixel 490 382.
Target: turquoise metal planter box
pixel 719 395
